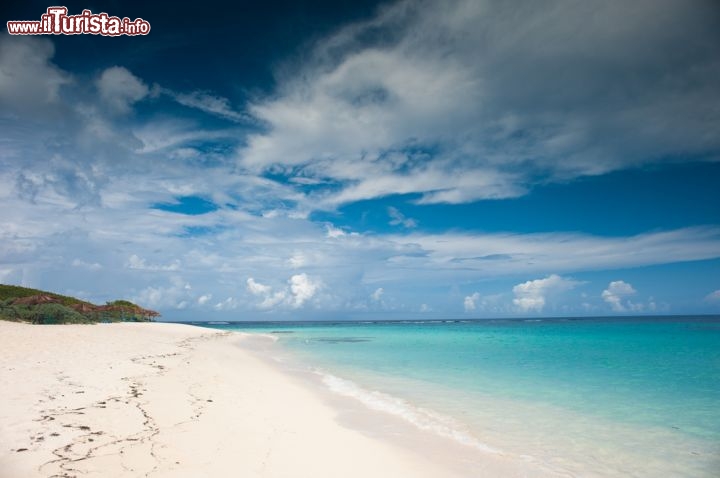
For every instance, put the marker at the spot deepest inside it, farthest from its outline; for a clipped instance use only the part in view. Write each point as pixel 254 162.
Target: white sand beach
pixel 170 400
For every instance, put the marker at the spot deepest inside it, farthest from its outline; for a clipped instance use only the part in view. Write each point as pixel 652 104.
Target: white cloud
pixel 29 81
pixel 652 305
pixel 616 292
pixel 470 300
pixel 495 254
pixel 34 239
pixel 399 219
pixel 174 296
pixel 531 295
pixel 495 304
pixel 228 304
pixel 203 299
pixel 713 296
pixel 269 298
pixel 137 262
pixel 257 288
pixel 425 308
pixel 208 103
pixel 120 89
pixel 66 185
pixel 172 136
pixel 300 289
pixel 377 295
pixel 334 232
pixel 297 260
pixel 86 265
pixel 274 299
pixel 472 86
pixel 5 274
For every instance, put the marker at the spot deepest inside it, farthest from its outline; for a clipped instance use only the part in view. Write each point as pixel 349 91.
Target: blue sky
pixel 331 160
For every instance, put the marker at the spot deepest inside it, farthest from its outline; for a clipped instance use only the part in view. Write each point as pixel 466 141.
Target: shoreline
pixel 459 453
pixel 548 436
pixel 161 399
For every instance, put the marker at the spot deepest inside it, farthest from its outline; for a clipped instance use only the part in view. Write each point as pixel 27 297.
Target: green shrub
pixel 53 314
pixel 60 309
pixel 9 311
pixel 15 292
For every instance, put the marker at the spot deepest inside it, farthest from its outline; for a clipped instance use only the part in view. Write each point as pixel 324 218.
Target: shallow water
pixel 587 397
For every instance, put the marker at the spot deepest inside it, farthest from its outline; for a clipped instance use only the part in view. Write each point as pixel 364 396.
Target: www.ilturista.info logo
pixel 57 22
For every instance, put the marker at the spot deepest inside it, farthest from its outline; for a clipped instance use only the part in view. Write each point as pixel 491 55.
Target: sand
pixel 171 400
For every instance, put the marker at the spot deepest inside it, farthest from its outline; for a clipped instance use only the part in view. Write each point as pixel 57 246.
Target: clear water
pixel 585 397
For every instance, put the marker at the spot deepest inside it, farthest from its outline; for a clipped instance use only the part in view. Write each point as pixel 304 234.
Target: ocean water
pixel 582 397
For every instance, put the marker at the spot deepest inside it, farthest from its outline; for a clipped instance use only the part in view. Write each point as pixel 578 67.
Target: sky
pixel 318 160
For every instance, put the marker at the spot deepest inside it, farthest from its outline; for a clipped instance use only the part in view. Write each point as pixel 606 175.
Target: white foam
pixel 272 337
pixel 422 418
pixel 250 335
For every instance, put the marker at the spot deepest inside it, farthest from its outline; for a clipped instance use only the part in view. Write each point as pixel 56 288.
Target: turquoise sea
pixel 583 397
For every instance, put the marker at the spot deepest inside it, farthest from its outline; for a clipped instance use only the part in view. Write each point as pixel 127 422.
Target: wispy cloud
pixel 398 219
pixel 446 103
pixel 462 100
pixel 209 103
pixel 497 254
pixel 136 262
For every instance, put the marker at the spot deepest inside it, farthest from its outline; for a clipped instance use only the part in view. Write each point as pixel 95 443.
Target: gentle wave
pixel 250 335
pixel 422 418
pixel 272 337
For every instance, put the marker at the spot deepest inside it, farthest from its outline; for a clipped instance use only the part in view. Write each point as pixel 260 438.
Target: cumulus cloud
pixel 377 295
pixel 204 299
pixel 269 298
pixel 531 296
pixel 616 292
pixel 473 86
pixel 175 295
pixel 120 89
pixel 713 296
pixel 257 288
pixel 470 300
pixel 302 288
pixel 299 290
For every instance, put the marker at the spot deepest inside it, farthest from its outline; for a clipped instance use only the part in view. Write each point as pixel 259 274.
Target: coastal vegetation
pixel 22 304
